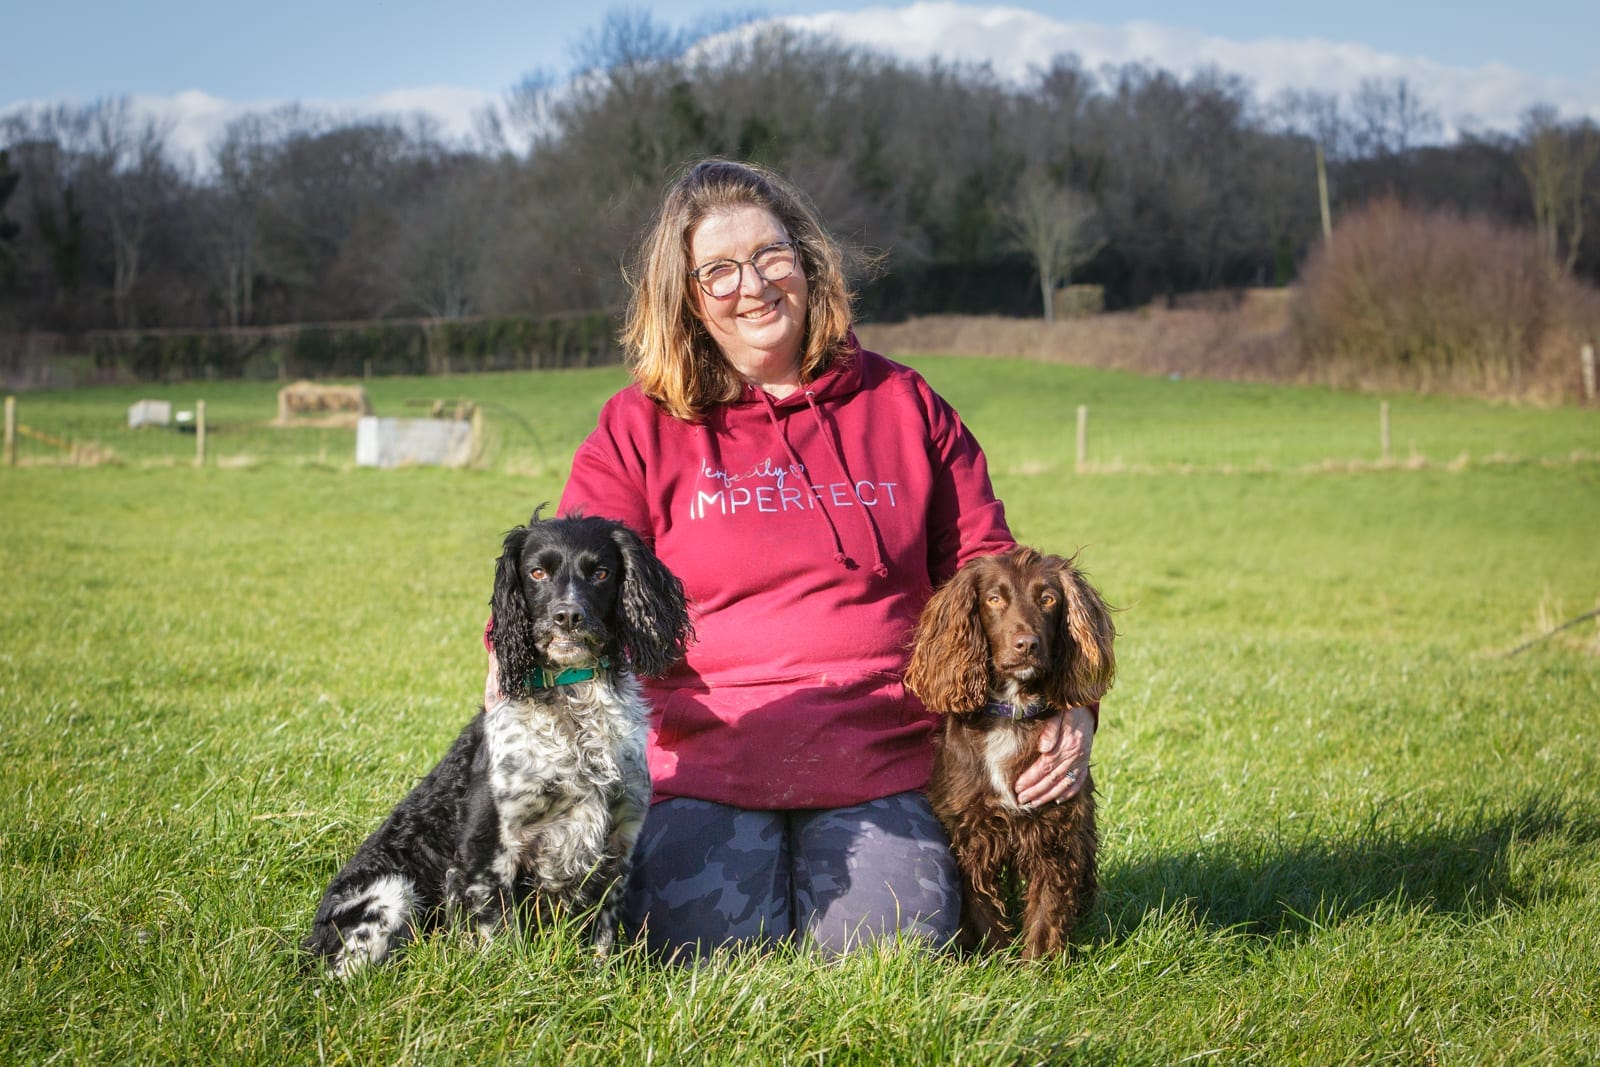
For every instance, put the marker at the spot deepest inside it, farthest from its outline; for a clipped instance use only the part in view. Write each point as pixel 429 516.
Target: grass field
pixel 1136 424
pixel 1340 824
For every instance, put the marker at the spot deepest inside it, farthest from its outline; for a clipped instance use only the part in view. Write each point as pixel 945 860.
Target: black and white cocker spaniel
pixel 536 807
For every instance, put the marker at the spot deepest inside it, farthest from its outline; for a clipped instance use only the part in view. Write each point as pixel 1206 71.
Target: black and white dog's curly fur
pixel 536 807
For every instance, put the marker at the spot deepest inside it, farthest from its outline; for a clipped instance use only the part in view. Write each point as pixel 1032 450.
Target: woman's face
pixel 761 325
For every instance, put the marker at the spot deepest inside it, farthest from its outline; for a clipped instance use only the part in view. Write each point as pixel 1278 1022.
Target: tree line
pixel 956 190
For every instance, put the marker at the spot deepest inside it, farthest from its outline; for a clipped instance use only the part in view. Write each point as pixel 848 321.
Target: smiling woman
pixel 693 340
pixel 810 495
pixel 757 317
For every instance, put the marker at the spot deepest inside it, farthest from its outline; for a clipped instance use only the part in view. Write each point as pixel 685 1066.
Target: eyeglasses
pixel 721 277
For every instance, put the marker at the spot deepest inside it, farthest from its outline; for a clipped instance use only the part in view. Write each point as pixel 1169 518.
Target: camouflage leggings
pixel 707 875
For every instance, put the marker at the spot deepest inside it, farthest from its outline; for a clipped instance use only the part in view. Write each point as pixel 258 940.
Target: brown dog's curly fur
pixel 1024 629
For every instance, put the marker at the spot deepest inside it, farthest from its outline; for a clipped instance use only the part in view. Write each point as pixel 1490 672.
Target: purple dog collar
pixel 1001 710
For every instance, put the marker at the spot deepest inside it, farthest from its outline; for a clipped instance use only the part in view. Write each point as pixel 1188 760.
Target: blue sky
pixel 195 66
pixel 344 49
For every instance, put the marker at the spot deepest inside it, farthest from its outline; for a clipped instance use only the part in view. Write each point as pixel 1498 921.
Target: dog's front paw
pixel 474 905
pixel 603 938
pixel 455 908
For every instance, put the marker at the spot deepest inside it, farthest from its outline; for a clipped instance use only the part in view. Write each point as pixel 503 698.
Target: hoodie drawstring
pixel 794 460
pixel 874 535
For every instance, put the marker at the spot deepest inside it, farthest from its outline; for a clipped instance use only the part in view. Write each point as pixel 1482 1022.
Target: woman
pixel 810 495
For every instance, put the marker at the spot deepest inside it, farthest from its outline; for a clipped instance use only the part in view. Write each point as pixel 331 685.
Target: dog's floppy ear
pixel 654 613
pixel 1085 639
pixel 949 666
pixel 512 633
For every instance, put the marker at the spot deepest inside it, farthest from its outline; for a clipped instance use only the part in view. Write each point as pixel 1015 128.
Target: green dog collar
pixel 544 678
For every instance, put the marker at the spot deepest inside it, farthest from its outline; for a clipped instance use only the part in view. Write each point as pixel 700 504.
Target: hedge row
pixel 1438 301
pixel 356 349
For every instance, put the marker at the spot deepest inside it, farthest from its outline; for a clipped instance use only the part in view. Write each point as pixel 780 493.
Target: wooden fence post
pixel 1383 428
pixel 11 431
pixel 1586 357
pixel 1083 439
pixel 1322 197
pixel 200 433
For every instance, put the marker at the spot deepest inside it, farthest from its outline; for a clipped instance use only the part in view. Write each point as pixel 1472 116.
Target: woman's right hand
pixel 491 685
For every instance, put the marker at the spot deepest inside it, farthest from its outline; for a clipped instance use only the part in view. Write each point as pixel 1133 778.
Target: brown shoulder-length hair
pixel 673 359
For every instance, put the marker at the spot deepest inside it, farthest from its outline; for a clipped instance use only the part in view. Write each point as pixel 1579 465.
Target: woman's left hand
pixel 1063 761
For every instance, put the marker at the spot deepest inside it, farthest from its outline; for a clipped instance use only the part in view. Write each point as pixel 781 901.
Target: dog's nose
pixel 1025 644
pixel 567 615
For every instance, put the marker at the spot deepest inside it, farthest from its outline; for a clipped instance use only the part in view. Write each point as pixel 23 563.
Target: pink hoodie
pixel 809 532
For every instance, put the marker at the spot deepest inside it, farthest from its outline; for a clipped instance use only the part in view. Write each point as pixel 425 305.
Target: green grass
pixel 1340 825
pixel 1135 424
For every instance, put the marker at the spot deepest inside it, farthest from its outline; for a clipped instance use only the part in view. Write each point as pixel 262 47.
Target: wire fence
pixel 1286 434
pixel 1363 434
pixel 42 435
pixel 1109 440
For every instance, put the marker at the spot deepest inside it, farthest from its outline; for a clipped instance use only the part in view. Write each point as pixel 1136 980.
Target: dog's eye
pixel 1047 599
pixel 996 600
pixel 601 574
pixel 538 574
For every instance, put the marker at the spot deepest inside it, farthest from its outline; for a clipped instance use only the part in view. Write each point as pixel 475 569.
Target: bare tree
pixel 432 264
pixel 241 157
pixel 129 167
pixel 333 194
pixel 1556 160
pixel 626 67
pixel 1390 118
pixel 1054 225
pixel 524 118
pixel 1315 116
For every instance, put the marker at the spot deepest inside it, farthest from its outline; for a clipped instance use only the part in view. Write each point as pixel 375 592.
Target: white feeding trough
pixel 149 413
pixel 387 442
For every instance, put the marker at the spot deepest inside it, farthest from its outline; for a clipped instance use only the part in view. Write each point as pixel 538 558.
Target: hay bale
pixel 1079 301
pixel 305 398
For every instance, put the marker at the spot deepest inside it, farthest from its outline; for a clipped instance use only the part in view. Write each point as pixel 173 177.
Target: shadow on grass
pixel 1467 867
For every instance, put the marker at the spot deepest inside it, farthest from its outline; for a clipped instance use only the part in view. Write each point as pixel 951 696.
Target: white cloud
pixel 1015 41
pixel 197 119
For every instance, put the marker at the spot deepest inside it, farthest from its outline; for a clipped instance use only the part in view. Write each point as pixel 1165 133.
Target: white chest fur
pixel 1000 748
pixel 568 774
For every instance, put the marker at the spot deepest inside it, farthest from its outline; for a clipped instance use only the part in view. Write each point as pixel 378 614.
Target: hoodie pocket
pixel 788 711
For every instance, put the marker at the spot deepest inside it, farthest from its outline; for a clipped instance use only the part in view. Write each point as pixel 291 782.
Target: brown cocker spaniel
pixel 1006 643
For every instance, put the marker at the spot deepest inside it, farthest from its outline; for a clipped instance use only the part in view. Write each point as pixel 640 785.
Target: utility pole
pixel 1322 194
